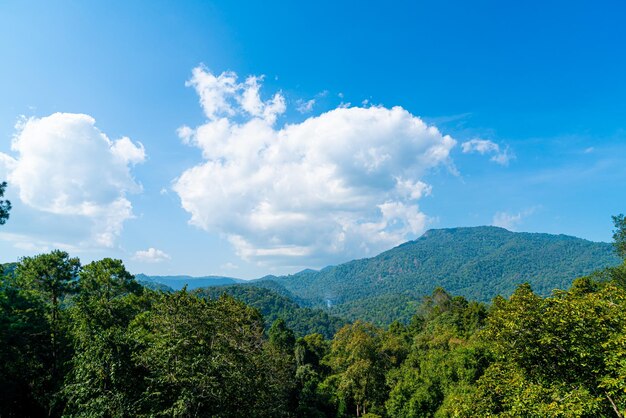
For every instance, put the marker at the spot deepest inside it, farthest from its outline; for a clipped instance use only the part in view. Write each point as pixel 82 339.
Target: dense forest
pixel 478 263
pixel 91 341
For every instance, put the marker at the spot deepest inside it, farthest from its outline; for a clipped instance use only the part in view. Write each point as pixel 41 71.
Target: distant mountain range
pixel 478 263
pixel 178 282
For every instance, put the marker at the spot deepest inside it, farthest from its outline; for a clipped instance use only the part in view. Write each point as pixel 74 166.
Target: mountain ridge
pixel 475 262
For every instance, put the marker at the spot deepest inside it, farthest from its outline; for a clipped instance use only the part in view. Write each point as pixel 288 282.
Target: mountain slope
pixel 178 282
pixel 478 263
pixel 273 305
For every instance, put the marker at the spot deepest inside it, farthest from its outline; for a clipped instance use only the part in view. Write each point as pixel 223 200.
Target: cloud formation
pixel 511 221
pixel 484 146
pixel 305 106
pixel 66 166
pixel 346 182
pixel 151 255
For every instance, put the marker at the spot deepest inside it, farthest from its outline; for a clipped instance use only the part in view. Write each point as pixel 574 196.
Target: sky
pixel 251 138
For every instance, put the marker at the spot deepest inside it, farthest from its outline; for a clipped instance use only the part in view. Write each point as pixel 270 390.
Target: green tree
pixel 49 279
pixel 443 362
pixel 358 366
pixel 309 352
pixel 24 353
pixel 619 235
pixel 5 205
pixel 205 358
pixel 104 381
pixel 281 336
pixel 554 355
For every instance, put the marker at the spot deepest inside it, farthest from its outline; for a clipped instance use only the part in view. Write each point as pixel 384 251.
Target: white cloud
pixel 151 255
pixel 223 96
pixel 66 166
pixel 35 245
pixel 305 106
pixel 229 266
pixel 344 183
pixel 511 221
pixel 484 146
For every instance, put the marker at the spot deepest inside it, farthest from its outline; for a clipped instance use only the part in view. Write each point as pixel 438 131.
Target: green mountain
pixel 273 305
pixel 178 282
pixel 478 263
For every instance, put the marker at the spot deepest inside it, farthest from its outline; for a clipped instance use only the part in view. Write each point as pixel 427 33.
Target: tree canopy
pixel 83 341
pixel 5 205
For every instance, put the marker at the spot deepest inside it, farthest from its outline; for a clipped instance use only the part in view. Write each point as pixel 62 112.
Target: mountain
pixel 156 286
pixel 178 282
pixel 478 263
pixel 272 305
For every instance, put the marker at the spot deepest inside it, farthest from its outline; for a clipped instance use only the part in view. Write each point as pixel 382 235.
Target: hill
pixel 272 305
pixel 178 282
pixel 477 263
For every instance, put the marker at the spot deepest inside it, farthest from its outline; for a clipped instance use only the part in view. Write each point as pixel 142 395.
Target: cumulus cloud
pixel 224 96
pixel 34 245
pixel 151 255
pixel 511 221
pixel 305 106
pixel 229 266
pixel 346 182
pixel 484 146
pixel 66 166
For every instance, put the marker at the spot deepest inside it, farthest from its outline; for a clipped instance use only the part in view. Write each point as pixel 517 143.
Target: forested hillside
pixel 477 263
pixel 273 306
pixel 178 282
pixel 91 341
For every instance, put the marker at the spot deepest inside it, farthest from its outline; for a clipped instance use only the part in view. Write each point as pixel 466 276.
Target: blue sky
pixel 242 139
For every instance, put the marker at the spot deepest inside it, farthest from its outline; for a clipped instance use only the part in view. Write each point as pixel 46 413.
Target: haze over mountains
pixel 476 262
pixel 178 282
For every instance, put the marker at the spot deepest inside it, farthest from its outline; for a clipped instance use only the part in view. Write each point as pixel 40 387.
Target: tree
pixel 556 354
pixel 443 361
pixel 619 235
pixel 24 353
pixel 205 358
pixel 281 337
pixel 310 372
pixel 104 381
pixel 5 205
pixel 359 367
pixel 47 279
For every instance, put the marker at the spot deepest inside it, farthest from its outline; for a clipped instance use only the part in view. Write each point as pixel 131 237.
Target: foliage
pixel 477 263
pixel 619 235
pixel 444 359
pixel 104 381
pixel 273 306
pixel 92 341
pixel 358 367
pixel 205 358
pixel 25 383
pixel 5 205
pixel 48 280
pixel 554 354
